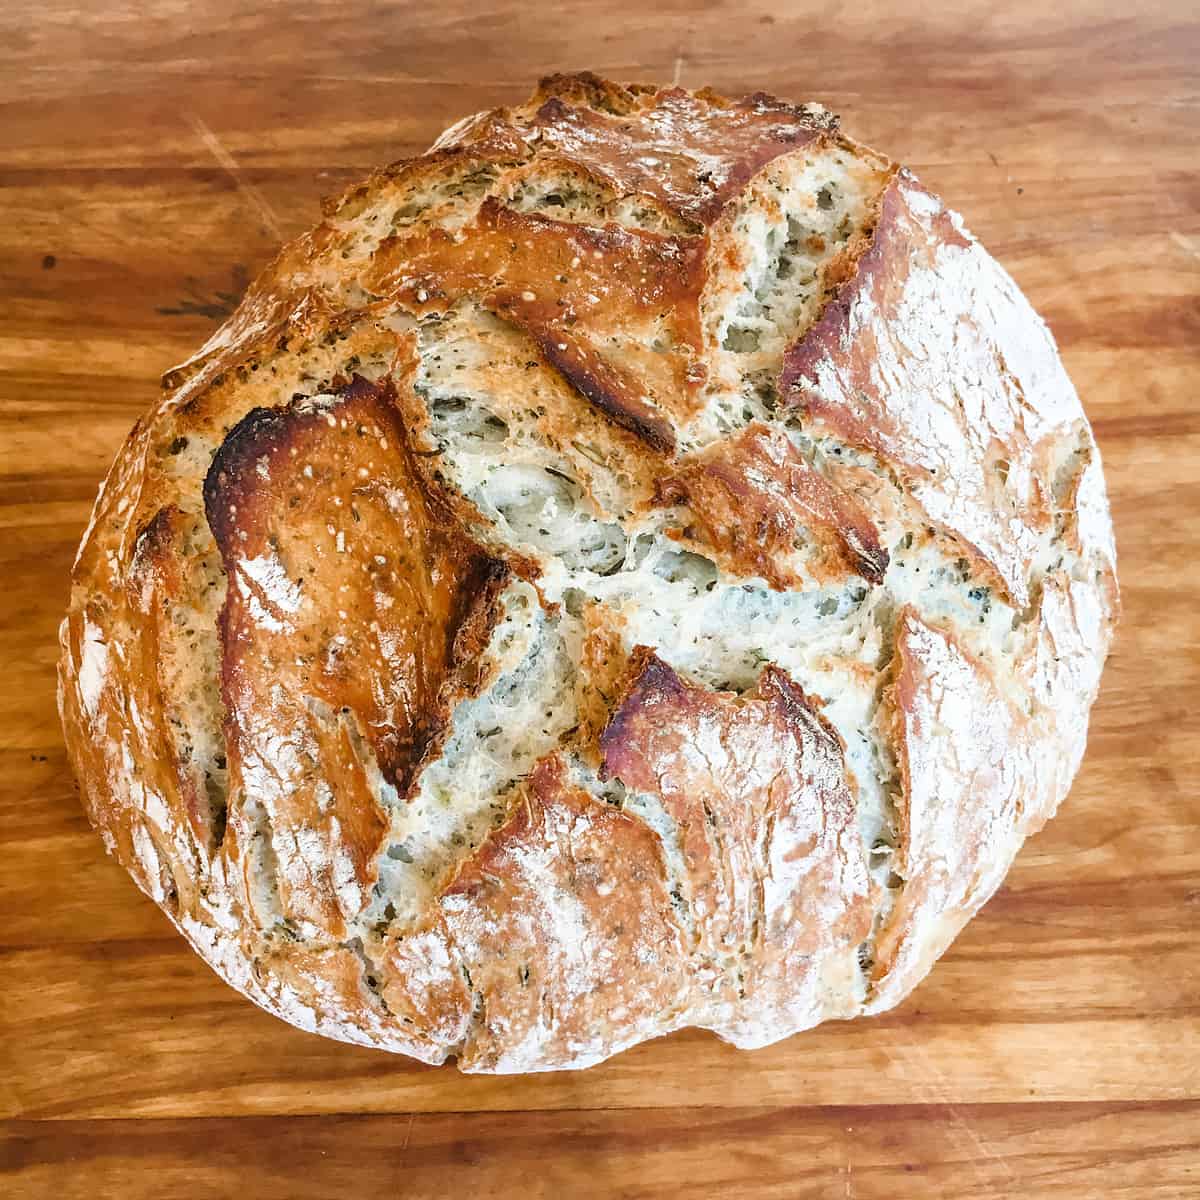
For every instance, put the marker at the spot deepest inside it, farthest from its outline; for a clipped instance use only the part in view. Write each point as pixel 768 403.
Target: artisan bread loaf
pixel 640 564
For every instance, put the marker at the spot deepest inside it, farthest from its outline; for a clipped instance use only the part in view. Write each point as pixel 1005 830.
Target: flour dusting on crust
pixel 640 564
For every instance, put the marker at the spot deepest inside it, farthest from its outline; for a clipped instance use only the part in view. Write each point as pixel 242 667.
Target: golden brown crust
pixel 610 389
pixel 686 152
pixel 592 299
pixel 157 583
pixel 603 667
pixel 327 494
pixel 555 940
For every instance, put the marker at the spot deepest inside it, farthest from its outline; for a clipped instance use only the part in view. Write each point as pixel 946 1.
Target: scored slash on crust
pixel 969 438
pixel 776 880
pixel 354 611
pixel 592 300
pixel 689 154
pixel 755 496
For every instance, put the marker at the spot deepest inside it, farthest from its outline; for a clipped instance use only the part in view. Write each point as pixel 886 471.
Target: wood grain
pixel 1056 1049
pixel 784 1152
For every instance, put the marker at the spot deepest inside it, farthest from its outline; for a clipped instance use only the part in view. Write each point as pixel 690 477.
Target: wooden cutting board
pixel 151 157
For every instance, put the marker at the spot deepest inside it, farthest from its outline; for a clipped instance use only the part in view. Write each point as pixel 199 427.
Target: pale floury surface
pixel 641 564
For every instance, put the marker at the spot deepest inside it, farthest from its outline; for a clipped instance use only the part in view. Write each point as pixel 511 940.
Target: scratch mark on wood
pixel 1189 245
pixel 226 160
pixel 933 1083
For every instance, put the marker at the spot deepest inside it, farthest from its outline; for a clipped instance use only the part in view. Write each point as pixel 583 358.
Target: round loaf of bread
pixel 639 564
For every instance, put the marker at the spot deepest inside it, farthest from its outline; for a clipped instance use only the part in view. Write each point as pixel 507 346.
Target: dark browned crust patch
pixel 649 682
pixel 593 376
pixel 355 613
pixel 754 498
pixel 594 91
pixel 601 678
